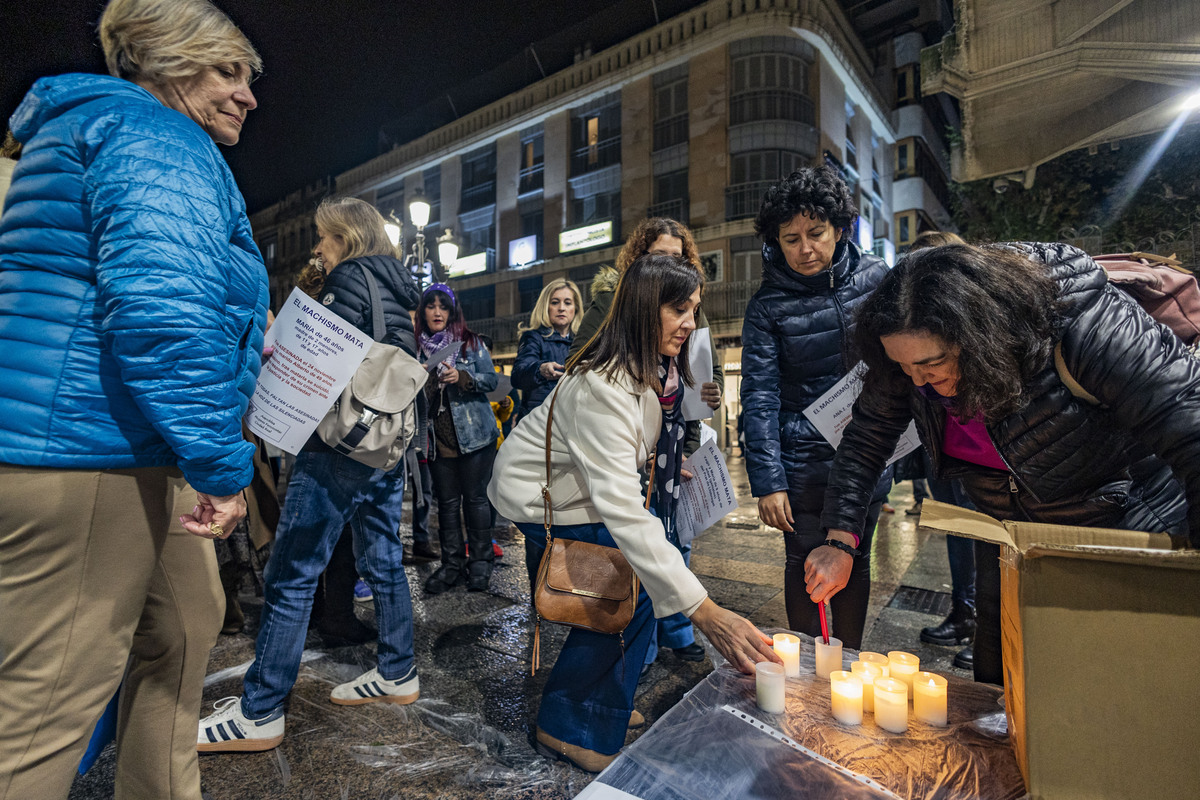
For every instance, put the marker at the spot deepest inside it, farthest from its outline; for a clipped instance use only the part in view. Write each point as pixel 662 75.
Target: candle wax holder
pixel 769 684
pixel 829 656
pixel 787 647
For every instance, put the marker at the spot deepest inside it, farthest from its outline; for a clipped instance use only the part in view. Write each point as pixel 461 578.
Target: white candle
pixel 769 684
pixel 891 705
pixel 867 673
pixel 903 666
pixel 829 656
pixel 846 697
pixel 787 647
pixel 929 699
pixel 878 659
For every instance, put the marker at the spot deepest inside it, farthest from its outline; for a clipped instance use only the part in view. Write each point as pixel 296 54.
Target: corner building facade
pixel 692 119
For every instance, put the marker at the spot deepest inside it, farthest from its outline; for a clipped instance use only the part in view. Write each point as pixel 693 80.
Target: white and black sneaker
pixel 228 730
pixel 371 687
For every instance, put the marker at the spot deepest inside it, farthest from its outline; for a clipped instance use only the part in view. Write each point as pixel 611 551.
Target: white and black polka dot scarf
pixel 669 451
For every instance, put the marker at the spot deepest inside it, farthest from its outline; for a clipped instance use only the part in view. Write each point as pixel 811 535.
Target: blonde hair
pixel 156 40
pixel 540 316
pixel 360 227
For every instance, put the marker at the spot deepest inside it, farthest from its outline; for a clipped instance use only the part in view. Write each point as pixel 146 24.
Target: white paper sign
pixel 701 361
pixel 830 414
pixel 707 497
pixel 503 387
pixel 446 352
pixel 316 353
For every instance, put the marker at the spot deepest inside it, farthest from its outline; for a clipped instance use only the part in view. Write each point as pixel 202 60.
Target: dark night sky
pixel 336 71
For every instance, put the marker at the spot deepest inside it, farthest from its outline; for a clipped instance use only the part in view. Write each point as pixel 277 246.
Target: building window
pixel 528 290
pixel 911 224
pixel 751 174
pixel 670 112
pixel 268 251
pixel 477 303
pixel 596 136
pixel 914 159
pixel 770 86
pixel 532 162
pixel 671 196
pixel 533 223
pixel 597 207
pixel 746 262
pixel 478 179
pixel 391 202
pixel 908 85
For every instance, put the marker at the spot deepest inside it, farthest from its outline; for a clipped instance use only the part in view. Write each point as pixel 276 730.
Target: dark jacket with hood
pixel 346 294
pixel 536 348
pixel 1069 462
pixel 795 342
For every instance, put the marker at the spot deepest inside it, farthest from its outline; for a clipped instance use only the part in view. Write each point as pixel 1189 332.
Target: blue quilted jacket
pixel 132 296
pixel 536 348
pixel 794 349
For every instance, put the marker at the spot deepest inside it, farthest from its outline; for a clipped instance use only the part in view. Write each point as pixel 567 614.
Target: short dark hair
pixel 999 308
pixel 818 192
pixel 628 339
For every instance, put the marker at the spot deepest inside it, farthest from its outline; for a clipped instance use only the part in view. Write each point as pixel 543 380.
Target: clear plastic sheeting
pixel 716 744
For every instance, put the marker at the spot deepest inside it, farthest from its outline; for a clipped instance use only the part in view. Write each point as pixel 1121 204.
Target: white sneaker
pixel 228 730
pixel 371 687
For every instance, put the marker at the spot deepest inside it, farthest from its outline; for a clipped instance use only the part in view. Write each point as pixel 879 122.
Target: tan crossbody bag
pixel 580 584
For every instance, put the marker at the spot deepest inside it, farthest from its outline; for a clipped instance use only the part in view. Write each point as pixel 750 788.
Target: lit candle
pixel 829 656
pixel 867 673
pixel 846 697
pixel 878 659
pixel 903 666
pixel 769 684
pixel 787 647
pixel 929 699
pixel 891 705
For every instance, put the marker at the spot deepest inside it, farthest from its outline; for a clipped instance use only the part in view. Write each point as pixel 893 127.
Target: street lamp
pixel 392 228
pixel 447 249
pixel 418 212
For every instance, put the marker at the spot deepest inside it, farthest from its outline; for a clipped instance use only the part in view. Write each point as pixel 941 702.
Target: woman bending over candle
pixel 608 420
pixel 963 340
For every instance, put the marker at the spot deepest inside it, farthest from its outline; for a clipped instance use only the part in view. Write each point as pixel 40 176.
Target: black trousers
pixel 461 488
pixel 989 660
pixel 849 606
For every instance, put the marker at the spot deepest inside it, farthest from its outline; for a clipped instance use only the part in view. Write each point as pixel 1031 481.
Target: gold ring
pixel 216 529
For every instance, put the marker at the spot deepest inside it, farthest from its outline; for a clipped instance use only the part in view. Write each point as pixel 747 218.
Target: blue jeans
pixel 327 492
pixel 959 549
pixel 589 696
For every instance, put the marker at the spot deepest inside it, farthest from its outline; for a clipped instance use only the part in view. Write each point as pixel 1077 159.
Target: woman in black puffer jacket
pixel 794 349
pixel 962 340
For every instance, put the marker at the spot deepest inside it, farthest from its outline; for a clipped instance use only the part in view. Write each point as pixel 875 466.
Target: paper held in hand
pixel 700 359
pixel 707 497
pixel 830 414
pixel 316 354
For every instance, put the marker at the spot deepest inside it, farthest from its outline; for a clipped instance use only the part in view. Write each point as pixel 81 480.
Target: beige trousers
pixel 99 582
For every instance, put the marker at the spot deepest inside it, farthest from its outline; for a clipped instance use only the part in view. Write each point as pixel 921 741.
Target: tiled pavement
pixel 469 734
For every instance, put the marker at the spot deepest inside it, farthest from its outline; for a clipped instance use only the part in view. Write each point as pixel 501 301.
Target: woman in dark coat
pixel 963 340
pixel 545 342
pixel 793 351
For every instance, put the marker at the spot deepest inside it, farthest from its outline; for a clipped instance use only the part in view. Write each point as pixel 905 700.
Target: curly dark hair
pixel 646 234
pixel 818 192
pixel 999 308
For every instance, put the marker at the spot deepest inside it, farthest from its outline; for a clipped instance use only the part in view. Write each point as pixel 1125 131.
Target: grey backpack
pixel 375 418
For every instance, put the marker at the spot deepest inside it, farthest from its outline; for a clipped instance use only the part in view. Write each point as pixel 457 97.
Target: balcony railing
pixel 502 330
pixel 530 178
pixel 675 209
pixel 771 104
pixel 744 199
pixel 670 132
pixel 728 301
pixel 596 156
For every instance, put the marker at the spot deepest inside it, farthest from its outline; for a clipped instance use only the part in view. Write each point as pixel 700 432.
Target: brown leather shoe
pixel 586 760
pixel 636 720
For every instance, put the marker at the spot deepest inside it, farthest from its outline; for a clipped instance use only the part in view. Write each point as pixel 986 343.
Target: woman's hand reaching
pixel 738 640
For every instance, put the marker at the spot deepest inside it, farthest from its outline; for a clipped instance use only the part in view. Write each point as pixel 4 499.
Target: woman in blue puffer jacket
pixel 132 308
pixel 461 439
pixel 794 349
pixel 545 342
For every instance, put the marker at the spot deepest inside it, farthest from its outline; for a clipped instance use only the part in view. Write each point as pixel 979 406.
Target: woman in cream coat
pixel 607 421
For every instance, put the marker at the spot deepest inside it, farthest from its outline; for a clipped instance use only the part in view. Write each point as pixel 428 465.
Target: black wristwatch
pixel 845 548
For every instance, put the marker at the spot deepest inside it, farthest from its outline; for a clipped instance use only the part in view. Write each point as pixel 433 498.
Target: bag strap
pixel 1064 375
pixel 380 330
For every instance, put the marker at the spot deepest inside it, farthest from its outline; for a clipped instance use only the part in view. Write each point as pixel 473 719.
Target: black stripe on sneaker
pixel 209 733
pixel 376 688
pixel 221 730
pixel 361 691
pixel 235 730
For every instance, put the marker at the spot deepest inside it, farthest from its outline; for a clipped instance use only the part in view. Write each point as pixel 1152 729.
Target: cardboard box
pixel 1101 632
